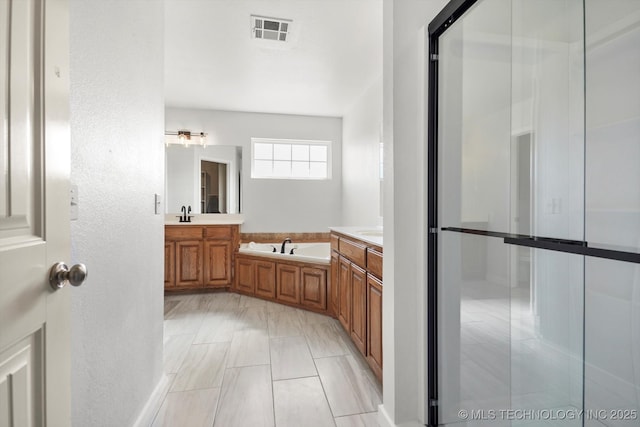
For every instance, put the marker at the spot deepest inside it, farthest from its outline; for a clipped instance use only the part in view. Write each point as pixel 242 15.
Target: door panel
pixel 265 279
pixel 217 263
pixel 288 283
pixel 358 330
pixel 34 212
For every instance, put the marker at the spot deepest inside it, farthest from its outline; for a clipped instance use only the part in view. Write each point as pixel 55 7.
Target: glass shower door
pixel 510 171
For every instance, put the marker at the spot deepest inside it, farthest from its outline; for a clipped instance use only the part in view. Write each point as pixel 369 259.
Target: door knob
pixel 60 275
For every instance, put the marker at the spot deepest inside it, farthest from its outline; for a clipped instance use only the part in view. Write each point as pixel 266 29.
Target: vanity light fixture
pixel 185 138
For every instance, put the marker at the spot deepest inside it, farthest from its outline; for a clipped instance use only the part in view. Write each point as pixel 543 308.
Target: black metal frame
pixel 449 15
pixel 451 12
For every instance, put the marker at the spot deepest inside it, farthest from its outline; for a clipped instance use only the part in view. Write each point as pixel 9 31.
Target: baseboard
pixel 154 402
pixel 384 420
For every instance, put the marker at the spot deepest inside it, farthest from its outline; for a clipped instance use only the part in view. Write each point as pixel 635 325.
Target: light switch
pixel 158 204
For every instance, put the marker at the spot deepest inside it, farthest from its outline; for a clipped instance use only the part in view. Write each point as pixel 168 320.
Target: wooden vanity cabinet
pixel 344 293
pixel 335 277
pixel 265 272
pixel 356 269
pixel 302 285
pixel 374 324
pixel 199 257
pixel 358 330
pixel 288 283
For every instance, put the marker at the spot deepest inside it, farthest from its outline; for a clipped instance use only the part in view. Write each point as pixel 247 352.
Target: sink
pixel 373 233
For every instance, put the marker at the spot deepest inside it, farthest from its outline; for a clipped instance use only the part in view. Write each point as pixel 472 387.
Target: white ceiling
pixel 212 61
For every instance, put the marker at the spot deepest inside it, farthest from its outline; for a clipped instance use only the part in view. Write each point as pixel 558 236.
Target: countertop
pixel 205 219
pixel 368 234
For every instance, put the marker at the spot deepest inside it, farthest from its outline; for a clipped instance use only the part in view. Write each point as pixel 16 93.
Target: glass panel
pixel 511 160
pixel 271 25
pixel 318 170
pixel 270 35
pixel 263 168
pixel 300 152
pixel 612 200
pixel 547 197
pixel 282 169
pixel 262 151
pixel 282 151
pixel 318 153
pixel 300 169
pixel 474 110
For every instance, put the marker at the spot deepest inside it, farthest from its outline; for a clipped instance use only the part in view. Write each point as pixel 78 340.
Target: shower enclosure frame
pixel 454 10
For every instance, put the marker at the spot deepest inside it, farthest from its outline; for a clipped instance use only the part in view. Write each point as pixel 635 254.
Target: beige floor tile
pixel 188 408
pixel 291 358
pixel 203 367
pixel 309 317
pixel 348 389
pixel 361 420
pixel 284 324
pixel 246 301
pixel 223 300
pixel 248 348
pixel 273 307
pixel 301 402
pixel 325 340
pixel 218 326
pixel 246 398
pixel 181 323
pixel 253 317
pixel 176 348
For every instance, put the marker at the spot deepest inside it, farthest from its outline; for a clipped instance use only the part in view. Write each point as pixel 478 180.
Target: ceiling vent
pixel 270 28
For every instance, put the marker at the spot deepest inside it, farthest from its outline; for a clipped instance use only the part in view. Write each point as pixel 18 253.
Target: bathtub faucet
pixel 288 239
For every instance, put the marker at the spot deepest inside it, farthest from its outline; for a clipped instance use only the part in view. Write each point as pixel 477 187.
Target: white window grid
pixel 290 159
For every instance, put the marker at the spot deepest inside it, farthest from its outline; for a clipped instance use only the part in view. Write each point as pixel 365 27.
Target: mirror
pixel 206 178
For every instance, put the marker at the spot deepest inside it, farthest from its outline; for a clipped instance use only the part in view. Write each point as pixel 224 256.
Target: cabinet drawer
pixel 217 233
pixel 374 262
pixel 182 232
pixel 355 252
pixel 334 242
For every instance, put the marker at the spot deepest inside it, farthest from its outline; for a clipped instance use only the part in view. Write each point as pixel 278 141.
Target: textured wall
pixel 404 113
pixel 117 118
pixel 274 205
pixel 361 138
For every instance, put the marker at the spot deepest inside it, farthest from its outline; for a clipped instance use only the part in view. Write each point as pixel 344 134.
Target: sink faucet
pixel 183 218
pixel 288 239
pixel 188 218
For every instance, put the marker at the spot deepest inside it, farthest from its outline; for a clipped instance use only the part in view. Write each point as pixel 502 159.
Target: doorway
pixel 213 187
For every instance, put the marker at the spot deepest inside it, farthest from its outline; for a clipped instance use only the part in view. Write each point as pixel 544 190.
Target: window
pixel 290 159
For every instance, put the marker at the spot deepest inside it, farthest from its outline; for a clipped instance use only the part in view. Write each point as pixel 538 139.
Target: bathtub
pixel 319 253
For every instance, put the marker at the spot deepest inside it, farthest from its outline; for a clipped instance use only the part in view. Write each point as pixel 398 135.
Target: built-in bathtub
pixel 319 253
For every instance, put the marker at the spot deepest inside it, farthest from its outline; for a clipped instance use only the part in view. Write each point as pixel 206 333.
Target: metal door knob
pixel 60 275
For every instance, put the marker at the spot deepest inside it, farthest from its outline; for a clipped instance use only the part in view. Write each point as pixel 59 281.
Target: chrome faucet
pixel 288 239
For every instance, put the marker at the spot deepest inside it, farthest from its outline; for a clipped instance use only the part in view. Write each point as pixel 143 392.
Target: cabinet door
pixel 359 308
pixel 314 288
pixel 333 284
pixel 245 275
pixel 189 263
pixel 217 263
pixel 344 294
pixel 265 279
pixel 288 283
pixel 169 264
pixel 374 325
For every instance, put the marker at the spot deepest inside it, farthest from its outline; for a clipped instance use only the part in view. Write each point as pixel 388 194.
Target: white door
pixel 34 212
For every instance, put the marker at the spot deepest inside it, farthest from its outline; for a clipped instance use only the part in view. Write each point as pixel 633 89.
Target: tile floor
pixel 235 361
